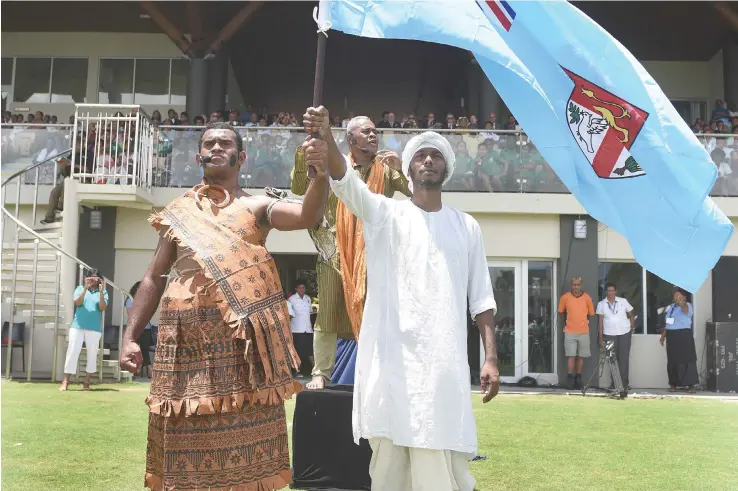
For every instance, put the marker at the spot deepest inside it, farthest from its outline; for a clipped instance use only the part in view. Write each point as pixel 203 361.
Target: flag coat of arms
pixel 591 109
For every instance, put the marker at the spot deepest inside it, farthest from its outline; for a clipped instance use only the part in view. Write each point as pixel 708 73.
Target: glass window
pixel 178 87
pixel 32 77
pixel 115 85
pixel 69 80
pixel 7 71
pixel 628 279
pixel 540 317
pixel 152 82
pixel 503 283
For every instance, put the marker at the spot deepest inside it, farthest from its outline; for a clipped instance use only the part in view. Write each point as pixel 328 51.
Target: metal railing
pixel 503 161
pixel 37 239
pixel 114 145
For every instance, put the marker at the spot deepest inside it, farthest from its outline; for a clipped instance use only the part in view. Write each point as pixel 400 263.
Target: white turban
pixel 428 139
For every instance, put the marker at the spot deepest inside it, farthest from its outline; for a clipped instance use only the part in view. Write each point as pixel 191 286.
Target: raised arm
pixel 149 293
pixel 297 216
pixel 347 185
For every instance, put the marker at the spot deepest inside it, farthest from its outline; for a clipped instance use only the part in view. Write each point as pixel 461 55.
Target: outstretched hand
pixel 316 155
pixel 490 381
pixel 317 120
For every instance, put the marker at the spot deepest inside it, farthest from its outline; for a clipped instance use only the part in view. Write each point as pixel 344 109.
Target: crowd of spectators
pixel 720 137
pixel 492 155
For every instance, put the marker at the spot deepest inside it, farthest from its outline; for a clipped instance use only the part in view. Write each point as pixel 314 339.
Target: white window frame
pixel 133 82
pixel 11 98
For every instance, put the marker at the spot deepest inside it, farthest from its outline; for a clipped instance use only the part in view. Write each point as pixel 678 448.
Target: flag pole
pixel 319 71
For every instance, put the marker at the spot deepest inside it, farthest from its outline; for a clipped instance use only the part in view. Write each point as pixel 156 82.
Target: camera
pixel 609 346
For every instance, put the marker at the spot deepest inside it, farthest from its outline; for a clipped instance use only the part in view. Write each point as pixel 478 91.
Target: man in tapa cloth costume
pixel 425 264
pixel 339 239
pixel 222 368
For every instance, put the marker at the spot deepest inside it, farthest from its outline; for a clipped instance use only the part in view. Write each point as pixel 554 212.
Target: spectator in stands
pixel 215 117
pixel 723 182
pixel 7 117
pixel 56 196
pixel 30 118
pixel 429 121
pixel 199 120
pixel 511 123
pixel 90 301
pixel 463 123
pixel 145 341
pixel 253 120
pixel 233 119
pixel 47 119
pixel 336 122
pixel 473 122
pixel 184 118
pixel 721 111
pixel 384 122
pixel 464 172
pixel 172 118
pixel 156 117
pixel 490 168
pixel 54 120
pixel 450 121
pixel 493 121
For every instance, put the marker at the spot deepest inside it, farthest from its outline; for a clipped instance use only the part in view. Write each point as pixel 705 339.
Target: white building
pixel 528 227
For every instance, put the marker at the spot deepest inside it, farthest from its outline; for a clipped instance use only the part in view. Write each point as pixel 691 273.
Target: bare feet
pixel 317 383
pixel 63 386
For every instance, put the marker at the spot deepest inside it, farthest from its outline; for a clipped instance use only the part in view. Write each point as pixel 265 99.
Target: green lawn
pixel 81 441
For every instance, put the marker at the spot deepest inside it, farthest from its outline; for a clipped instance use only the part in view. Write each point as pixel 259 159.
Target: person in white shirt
pixel 302 328
pixel 616 323
pixel 412 393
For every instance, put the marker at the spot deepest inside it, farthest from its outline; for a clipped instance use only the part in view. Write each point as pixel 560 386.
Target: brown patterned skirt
pixel 216 423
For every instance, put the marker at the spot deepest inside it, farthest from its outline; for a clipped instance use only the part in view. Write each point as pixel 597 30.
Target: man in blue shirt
pixel 681 353
pixel 90 301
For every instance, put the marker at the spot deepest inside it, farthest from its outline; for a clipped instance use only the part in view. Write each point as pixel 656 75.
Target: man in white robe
pixel 424 260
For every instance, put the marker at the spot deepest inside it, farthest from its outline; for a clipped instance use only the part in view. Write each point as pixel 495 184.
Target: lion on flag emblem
pixel 605 127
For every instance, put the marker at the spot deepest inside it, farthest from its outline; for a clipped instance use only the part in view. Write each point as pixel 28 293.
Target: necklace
pixel 213 192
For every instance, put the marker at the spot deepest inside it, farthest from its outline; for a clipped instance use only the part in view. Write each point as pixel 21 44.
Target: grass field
pixel 85 441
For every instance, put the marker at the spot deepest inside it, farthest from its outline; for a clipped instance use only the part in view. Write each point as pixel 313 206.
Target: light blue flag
pixel 592 110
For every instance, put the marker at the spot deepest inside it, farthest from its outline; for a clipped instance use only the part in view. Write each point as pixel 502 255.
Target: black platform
pixel 324 456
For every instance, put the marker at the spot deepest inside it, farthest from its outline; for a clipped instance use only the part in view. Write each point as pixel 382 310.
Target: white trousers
pixel 91 340
pixel 395 468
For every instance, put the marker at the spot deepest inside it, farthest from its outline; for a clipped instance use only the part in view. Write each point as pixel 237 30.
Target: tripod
pixel 608 355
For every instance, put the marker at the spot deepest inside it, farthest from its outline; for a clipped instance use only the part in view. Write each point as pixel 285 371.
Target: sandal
pixel 86 386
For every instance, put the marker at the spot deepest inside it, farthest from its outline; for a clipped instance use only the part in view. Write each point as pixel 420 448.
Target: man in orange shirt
pixel 575 308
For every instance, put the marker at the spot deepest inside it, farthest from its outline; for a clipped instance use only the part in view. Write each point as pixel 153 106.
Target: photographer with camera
pixel 616 324
pixel 90 301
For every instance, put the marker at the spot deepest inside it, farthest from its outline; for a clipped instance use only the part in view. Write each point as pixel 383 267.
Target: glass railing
pixel 27 144
pixel 487 161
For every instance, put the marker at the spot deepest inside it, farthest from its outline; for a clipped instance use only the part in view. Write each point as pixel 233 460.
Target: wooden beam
pixel 165 25
pixel 196 25
pixel 234 25
pixel 728 14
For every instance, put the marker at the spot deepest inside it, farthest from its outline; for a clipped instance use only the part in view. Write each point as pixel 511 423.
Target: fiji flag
pixel 591 109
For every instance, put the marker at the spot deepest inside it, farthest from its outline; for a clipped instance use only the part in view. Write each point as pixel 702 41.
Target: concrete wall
pixel 695 80
pixel 578 258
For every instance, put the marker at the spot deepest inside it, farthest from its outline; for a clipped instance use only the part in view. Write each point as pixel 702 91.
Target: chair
pixel 19 329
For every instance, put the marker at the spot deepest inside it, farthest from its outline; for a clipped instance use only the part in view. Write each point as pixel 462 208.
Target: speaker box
pixel 722 349
pixel 725 290
pixel 324 455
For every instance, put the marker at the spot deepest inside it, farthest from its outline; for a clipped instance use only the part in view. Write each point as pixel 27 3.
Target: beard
pixel 427 182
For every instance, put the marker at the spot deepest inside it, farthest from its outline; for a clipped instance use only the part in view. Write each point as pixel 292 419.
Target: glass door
pixel 539 332
pixel 524 324
pixel 507 286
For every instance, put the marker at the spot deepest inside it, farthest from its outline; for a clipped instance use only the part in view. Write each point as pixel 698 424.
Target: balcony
pixel 126 160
